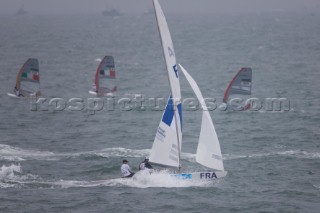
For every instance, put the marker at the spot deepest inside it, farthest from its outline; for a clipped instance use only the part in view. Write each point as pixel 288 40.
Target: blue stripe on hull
pixel 183 176
pixel 196 176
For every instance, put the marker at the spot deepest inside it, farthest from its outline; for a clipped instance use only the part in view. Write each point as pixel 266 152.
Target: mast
pixel 96 80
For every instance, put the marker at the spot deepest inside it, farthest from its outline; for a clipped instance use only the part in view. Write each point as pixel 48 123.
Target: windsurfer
pixel 17 92
pixel 125 170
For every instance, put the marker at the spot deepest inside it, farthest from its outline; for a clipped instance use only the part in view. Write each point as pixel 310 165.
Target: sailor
pixel 38 93
pixel 17 92
pixel 125 169
pixel 94 88
pixel 145 164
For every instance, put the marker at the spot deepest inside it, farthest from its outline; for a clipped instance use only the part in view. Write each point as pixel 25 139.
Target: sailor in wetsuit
pixel 17 92
pixel 145 164
pixel 125 170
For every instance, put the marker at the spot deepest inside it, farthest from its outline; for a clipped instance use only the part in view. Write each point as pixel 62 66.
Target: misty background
pixel 170 6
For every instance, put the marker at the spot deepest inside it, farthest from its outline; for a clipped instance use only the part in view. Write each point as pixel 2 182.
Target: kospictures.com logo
pixel 140 103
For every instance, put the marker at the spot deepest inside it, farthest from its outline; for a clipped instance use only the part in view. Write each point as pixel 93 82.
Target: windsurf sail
pixel 105 75
pixel 208 151
pixel 28 79
pixel 240 86
pixel 166 147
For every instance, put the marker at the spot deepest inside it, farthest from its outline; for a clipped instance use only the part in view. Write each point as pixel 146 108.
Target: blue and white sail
pixel 167 143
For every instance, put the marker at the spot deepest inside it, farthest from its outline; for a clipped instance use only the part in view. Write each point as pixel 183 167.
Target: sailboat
pixel 111 12
pixel 166 148
pixel 21 11
pixel 104 81
pixel 240 88
pixel 28 80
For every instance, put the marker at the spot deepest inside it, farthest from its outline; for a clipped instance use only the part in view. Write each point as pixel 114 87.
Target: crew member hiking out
pixel 125 170
pixel 145 164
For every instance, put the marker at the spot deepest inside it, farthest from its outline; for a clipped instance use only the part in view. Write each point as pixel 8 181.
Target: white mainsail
pixel 168 52
pixel 167 143
pixel 208 152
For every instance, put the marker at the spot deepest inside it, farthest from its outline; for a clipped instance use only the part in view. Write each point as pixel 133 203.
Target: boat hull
pixel 92 92
pixel 12 95
pixel 201 175
pixel 109 94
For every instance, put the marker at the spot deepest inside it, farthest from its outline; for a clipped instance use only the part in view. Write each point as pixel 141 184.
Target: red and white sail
pixel 104 82
pixel 28 79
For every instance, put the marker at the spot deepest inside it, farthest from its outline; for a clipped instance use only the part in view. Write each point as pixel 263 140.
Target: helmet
pixel 146 158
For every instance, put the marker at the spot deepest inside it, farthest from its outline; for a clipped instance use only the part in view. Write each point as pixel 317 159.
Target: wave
pixel 10 153
pixel 316 186
pixel 11 176
pixel 15 154
pixel 289 153
pixel 164 179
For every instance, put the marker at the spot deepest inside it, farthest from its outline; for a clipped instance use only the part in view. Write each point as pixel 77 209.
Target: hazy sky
pixel 176 6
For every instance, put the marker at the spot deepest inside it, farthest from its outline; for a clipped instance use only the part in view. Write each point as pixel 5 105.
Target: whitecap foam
pixel 8 172
pixel 188 156
pixel 77 183
pixel 289 153
pixel 120 152
pixel 163 178
pixel 11 158
pixel 12 176
pixel 10 153
pixel 233 157
pixel 301 154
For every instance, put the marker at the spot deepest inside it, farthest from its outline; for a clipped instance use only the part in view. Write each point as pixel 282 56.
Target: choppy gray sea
pixel 68 161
